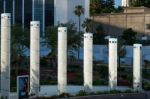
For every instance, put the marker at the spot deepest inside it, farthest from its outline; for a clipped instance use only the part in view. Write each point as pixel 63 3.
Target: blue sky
pixel 118 2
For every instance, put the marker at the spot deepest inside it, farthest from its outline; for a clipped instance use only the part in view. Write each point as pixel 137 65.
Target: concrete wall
pixel 115 24
pixel 100 53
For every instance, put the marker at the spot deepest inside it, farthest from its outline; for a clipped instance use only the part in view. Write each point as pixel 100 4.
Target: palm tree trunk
pixel 93 24
pixel 79 32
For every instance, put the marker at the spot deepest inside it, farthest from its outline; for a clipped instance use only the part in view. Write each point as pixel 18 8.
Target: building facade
pixel 128 3
pixel 48 12
pixel 125 3
pixel 65 12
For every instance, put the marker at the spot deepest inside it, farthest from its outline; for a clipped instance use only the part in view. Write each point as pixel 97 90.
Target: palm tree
pixel 79 10
pixel 73 39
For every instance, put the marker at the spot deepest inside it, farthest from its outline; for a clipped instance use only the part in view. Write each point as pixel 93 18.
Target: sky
pixel 117 2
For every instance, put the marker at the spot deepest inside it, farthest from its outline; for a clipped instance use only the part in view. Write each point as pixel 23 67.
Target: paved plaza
pixel 118 96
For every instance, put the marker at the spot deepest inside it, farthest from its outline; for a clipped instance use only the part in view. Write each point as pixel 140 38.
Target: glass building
pixel 38 12
pixel 49 12
pixel 24 11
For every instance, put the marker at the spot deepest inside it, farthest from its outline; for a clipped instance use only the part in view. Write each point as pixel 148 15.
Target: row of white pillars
pixel 62 59
pixel 137 65
pixel 5 56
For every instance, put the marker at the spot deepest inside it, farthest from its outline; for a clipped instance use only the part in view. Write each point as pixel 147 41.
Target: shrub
pixel 146 86
pixel 128 91
pixel 82 93
pixel 100 82
pixel 114 91
pixel 64 95
pixel 130 78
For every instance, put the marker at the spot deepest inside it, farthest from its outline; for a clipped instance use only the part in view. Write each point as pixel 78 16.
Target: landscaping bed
pixel 128 94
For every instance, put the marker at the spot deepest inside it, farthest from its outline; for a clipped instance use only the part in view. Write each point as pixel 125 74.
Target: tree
pixel 102 6
pixel 146 3
pixel 73 39
pixel 138 3
pixel 118 9
pixel 87 24
pixel 95 6
pixel 146 64
pixel 110 5
pixel 99 36
pixel 20 42
pixel 79 10
pixel 121 50
pixel 129 36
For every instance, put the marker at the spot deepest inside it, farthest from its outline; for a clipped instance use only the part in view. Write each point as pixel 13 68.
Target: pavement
pixel 110 96
pixel 49 90
pixel 117 96
pixel 148 95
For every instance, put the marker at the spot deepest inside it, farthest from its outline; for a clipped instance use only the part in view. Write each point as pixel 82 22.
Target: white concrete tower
pixel 112 63
pixel 62 59
pixel 137 67
pixel 34 57
pixel 125 3
pixel 5 54
pixel 88 61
